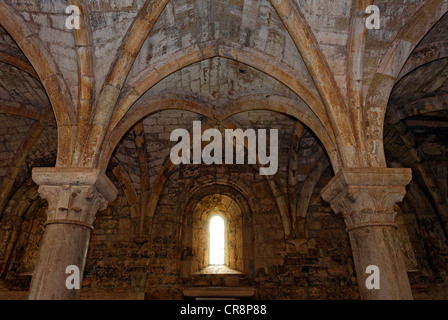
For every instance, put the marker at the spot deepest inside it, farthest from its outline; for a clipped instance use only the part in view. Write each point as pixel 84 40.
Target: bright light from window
pixel 216 240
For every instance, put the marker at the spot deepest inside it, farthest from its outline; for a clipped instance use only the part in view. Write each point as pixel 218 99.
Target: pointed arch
pixel 126 55
pixel 335 106
pixel 86 79
pixel 19 64
pixel 229 50
pixel 47 70
pixel 388 71
pixel 355 70
pixel 424 55
pixel 146 108
pixel 275 103
pixel 261 102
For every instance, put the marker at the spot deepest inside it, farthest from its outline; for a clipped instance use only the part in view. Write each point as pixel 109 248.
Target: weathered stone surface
pixel 367 198
pixel 74 197
pixel 99 104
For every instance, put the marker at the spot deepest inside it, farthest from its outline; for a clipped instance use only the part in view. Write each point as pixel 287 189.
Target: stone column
pixel 366 198
pixel 74 196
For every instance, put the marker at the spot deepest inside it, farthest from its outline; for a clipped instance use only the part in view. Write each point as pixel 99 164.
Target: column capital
pixel 74 195
pixel 367 196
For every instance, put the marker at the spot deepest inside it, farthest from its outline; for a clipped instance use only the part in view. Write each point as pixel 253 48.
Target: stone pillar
pixel 366 198
pixel 74 196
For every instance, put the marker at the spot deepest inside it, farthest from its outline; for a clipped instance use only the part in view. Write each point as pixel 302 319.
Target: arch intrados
pixel 253 58
pixel 389 69
pixel 46 68
pixel 282 105
pixel 418 106
pixel 209 187
pixel 430 52
pixel 247 56
pixel 210 212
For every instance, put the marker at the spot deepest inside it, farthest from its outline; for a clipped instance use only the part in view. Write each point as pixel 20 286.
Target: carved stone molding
pixel 74 195
pixel 367 196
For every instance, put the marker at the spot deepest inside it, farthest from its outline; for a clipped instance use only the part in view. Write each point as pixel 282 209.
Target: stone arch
pixel 257 102
pixel 168 167
pixel 183 102
pixel 388 71
pixel 336 108
pixel 424 55
pixel 422 106
pixel 19 64
pixel 47 70
pixel 248 56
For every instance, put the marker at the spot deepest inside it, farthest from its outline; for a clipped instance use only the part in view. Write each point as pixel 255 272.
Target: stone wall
pixel 321 267
pixel 323 270
pixel 429 243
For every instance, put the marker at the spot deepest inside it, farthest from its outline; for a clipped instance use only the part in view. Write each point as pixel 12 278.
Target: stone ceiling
pixel 187 26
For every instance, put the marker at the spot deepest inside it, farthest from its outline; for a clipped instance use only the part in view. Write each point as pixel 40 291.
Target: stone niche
pixel 196 236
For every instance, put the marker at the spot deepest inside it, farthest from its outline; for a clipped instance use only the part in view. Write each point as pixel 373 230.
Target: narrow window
pixel 216 240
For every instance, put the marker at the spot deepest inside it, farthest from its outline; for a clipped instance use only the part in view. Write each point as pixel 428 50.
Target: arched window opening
pixel 215 235
pixel 217 241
